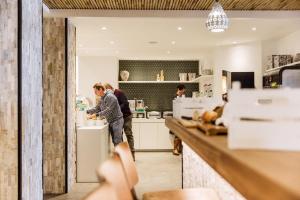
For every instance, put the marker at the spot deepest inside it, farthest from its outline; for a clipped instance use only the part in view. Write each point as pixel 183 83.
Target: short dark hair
pixel 180 87
pixel 98 86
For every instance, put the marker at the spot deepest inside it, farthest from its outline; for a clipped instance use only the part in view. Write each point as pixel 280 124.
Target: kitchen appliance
pixel 263 119
pixel 167 114
pixel 183 76
pixel 140 105
pixel 131 105
pixel 140 114
pixel 153 115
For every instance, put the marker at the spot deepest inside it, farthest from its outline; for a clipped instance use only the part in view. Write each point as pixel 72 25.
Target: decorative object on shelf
pixel 191 76
pixel 297 57
pixel 157 77
pixel 124 75
pixel 207 72
pixel 281 60
pixel 162 77
pixel 183 76
pixel 217 20
pixel 269 63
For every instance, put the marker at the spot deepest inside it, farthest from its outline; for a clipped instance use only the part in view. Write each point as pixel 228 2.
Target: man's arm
pixel 94 110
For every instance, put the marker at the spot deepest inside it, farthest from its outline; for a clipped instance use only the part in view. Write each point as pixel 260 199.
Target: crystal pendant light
pixel 217 20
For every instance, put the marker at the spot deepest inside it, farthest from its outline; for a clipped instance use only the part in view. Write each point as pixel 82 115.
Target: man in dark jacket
pixel 127 115
pixel 108 107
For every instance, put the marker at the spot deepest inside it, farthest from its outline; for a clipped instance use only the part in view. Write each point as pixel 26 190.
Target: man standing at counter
pixel 127 115
pixel 108 107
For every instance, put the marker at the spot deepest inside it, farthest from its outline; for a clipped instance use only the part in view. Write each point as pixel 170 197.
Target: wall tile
pixel 54 105
pixel 197 173
pixel 8 100
pixel 71 105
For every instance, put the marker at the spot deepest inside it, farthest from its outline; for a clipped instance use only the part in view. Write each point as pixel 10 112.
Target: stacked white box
pixel 186 106
pixel 264 119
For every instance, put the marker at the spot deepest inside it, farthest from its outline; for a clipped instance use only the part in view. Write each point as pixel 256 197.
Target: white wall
pixel 237 58
pixel 92 69
pixel 289 44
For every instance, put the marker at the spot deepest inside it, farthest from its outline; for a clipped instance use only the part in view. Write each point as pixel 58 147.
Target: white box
pixel 263 119
pixel 186 106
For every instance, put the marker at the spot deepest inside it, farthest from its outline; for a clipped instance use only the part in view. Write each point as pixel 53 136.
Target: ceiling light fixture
pixel 173 42
pixel 168 52
pixel 111 42
pixel 217 20
pixel 253 28
pixel 103 28
pixel 179 28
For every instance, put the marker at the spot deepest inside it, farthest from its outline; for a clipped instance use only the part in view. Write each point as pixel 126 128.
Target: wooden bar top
pixel 256 174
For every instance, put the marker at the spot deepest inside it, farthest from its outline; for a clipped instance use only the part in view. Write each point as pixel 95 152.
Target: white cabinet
pixel 163 137
pixel 151 134
pixel 136 135
pixel 148 135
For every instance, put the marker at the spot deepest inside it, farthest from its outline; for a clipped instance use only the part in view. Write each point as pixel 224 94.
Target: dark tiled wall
pixel 146 70
pixel 157 96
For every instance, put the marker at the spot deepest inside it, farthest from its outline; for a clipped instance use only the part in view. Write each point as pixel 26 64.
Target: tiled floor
pixel 157 171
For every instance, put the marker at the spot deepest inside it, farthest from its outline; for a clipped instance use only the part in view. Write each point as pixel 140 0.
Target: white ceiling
pixel 131 36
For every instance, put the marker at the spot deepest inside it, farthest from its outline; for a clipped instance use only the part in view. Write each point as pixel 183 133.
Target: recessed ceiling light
pixel 253 28
pixel 152 42
pixel 103 28
pixel 179 28
pixel 234 42
pixel 111 42
pixel 173 42
pixel 168 52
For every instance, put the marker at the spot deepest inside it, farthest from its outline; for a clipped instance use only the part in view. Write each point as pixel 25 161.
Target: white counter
pixel 146 120
pixel 92 150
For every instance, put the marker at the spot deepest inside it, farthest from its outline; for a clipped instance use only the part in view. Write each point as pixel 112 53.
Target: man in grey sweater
pixel 108 107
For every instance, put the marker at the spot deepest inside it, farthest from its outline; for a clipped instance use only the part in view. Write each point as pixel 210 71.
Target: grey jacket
pixel 108 107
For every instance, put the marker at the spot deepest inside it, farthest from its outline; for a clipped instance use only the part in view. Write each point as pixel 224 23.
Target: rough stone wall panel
pixel 54 105
pixel 8 100
pixel 32 99
pixel 71 85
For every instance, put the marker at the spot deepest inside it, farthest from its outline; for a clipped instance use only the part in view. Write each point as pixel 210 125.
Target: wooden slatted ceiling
pixel 173 4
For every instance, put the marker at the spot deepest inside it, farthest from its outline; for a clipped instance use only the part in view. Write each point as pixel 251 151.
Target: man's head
pixel 108 86
pixel 180 90
pixel 99 89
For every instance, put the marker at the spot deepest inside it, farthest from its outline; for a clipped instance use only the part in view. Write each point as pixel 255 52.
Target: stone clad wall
pixel 8 100
pixel 32 99
pixel 71 85
pixel 54 105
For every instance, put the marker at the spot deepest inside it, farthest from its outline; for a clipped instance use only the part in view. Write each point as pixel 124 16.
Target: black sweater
pixel 123 102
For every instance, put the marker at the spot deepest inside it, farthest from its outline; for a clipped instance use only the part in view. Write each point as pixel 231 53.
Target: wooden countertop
pixel 256 174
